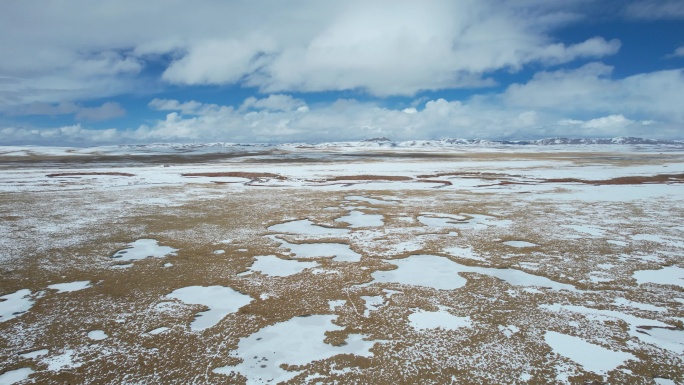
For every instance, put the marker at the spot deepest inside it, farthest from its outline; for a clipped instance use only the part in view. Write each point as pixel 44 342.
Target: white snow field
pixel 420 262
pixel 69 286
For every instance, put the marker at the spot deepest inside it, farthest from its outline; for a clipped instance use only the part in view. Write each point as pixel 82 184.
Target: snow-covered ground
pixel 437 262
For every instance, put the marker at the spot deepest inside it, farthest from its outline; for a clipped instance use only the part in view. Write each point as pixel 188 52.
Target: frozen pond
pixel 520 244
pixel 306 227
pixel 14 376
pixel 359 219
pixel 297 341
pixel 461 221
pixel 70 286
pixel 35 354
pixel 220 300
pixel 594 358
pixel 372 303
pixel 274 266
pixel 143 248
pixel 15 304
pixel 97 335
pixel 441 319
pixel 340 251
pixel 671 275
pixel 443 273
pixel 649 331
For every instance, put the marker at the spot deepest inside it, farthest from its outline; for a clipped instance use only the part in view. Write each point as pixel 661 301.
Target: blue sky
pixel 117 71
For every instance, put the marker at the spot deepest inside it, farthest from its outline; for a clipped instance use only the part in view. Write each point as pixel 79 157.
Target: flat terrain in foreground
pixel 306 265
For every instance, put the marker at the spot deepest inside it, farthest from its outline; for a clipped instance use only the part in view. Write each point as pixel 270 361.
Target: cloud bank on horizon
pixel 76 72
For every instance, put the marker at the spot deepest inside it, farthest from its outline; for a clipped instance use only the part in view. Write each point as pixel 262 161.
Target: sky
pixel 85 73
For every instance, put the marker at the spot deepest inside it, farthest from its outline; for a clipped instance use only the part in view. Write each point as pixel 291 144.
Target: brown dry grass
pixel 62 320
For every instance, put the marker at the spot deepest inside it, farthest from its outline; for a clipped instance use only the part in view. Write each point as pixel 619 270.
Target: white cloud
pixel 66 135
pixel 219 61
pixel 590 89
pixel 607 126
pixel 401 47
pixel 188 108
pixel 107 110
pixel 97 49
pixel 656 9
pixel 348 119
pixel 679 52
pixel 274 102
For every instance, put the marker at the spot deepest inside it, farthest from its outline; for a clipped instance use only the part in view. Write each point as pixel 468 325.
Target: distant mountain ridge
pixel 449 142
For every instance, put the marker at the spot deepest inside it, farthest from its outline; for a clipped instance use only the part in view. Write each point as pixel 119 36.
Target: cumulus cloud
pixel 402 47
pixel 382 47
pixel 349 119
pixel 584 102
pixel 590 89
pixel 219 61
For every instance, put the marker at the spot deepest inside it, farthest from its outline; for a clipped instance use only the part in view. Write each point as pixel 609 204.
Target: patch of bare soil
pixel 624 180
pixel 68 174
pixel 394 178
pixel 468 174
pixel 235 174
pixel 444 182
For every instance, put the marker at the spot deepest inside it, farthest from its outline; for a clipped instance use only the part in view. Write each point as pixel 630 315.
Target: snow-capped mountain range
pixel 450 142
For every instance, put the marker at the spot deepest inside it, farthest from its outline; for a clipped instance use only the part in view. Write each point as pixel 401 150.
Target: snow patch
pixel 335 303
pixel 16 375
pixel 220 300
pixel 97 335
pixel 520 244
pixel 358 219
pixel 143 248
pixel 591 357
pixel 35 354
pixel 443 273
pixel 373 303
pixel 276 267
pixel 341 252
pixel 649 331
pixel 297 341
pixel 464 252
pixel 70 286
pixel 306 227
pixel 440 319
pixel 671 275
pixel 637 305
pixel 158 330
pixel 15 304
pixel 62 361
